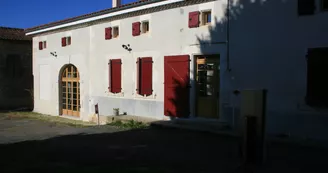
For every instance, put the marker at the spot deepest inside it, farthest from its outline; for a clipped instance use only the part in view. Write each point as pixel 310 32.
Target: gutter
pixel 143 7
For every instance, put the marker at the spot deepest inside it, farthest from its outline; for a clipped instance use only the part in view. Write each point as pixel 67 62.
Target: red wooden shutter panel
pixel 136 28
pixel 109 76
pixel 138 75
pixel 193 19
pixel 146 76
pixel 63 41
pixel 116 75
pixel 40 45
pixel 108 33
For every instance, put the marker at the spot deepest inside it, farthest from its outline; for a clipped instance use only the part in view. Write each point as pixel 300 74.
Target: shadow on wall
pixel 260 36
pixel 16 86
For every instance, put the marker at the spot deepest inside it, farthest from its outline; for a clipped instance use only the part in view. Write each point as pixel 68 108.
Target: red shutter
pixel 69 40
pixel 108 33
pixel 193 19
pixel 116 76
pixel 146 76
pixel 63 41
pixel 138 75
pixel 40 45
pixel 136 28
pixel 109 76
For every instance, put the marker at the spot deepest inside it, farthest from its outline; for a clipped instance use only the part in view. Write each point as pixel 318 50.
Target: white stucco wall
pixel 268 43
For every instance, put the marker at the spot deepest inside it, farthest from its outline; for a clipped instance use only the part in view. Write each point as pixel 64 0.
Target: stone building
pixel 16 80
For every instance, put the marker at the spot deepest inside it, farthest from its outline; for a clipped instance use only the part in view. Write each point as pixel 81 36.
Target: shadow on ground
pixel 148 150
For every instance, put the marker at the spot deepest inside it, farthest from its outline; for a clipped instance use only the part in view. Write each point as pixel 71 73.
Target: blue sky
pixel 29 13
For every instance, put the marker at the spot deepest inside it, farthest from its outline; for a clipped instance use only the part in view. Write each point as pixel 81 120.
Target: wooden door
pixel 176 85
pixel 207 86
pixel 70 91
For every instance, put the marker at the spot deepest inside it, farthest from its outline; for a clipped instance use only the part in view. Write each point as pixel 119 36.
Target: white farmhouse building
pixel 184 58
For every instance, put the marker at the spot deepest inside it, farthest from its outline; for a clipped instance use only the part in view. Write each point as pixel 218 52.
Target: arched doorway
pixel 70 91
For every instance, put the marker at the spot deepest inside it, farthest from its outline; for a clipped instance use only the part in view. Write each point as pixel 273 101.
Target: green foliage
pixel 130 124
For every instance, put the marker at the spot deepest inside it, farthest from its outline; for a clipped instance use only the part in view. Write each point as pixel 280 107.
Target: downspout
pixel 228 36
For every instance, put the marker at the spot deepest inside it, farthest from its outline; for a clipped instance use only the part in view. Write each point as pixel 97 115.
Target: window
pixel 306 7
pixel 206 17
pixel 115 75
pixel 145 26
pixel 317 62
pixel 116 32
pixel 14 68
pixel 145 76
pixel 66 41
pixel 193 19
pixel 42 45
pixel 324 5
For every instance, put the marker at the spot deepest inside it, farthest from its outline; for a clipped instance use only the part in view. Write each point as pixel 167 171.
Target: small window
pixel 42 45
pixel 324 5
pixel 66 41
pixel 206 17
pixel 145 26
pixel 306 7
pixel 116 32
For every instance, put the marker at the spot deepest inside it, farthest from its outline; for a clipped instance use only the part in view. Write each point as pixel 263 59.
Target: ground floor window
pixel 317 86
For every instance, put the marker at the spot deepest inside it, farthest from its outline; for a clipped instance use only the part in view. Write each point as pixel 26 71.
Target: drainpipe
pixel 228 36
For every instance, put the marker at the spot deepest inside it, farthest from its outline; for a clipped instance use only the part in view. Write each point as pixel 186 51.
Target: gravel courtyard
pixel 29 145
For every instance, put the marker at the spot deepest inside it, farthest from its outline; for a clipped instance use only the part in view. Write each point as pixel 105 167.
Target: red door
pixel 176 85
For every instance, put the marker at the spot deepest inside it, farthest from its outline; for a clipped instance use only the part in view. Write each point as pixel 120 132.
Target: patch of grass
pixel 130 124
pixel 54 120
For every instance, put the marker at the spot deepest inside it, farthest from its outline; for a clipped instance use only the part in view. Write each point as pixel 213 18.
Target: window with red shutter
pixel 40 45
pixel 193 19
pixel 44 44
pixel 306 7
pixel 63 41
pixel 145 76
pixel 115 76
pixel 108 33
pixel 135 28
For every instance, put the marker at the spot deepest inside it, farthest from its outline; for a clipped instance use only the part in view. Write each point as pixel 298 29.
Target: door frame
pixel 60 91
pixel 193 91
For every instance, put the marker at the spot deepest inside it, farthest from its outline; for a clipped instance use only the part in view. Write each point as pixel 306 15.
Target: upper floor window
pixel 206 17
pixel 116 31
pixel 42 45
pixel 306 7
pixel 66 41
pixel 324 5
pixel 145 26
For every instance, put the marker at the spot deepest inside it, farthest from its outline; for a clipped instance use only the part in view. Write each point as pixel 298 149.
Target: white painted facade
pixel 268 44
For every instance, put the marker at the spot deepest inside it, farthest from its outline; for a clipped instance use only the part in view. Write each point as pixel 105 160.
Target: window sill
pixel 121 94
pixel 150 97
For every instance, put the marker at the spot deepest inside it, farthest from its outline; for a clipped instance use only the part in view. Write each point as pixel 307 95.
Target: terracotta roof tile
pixel 7 33
pixel 106 11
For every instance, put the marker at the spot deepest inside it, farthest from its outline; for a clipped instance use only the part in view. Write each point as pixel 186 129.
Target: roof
pixel 7 33
pixel 94 14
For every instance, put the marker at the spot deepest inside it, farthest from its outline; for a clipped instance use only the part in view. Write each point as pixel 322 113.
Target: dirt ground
pixel 37 146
